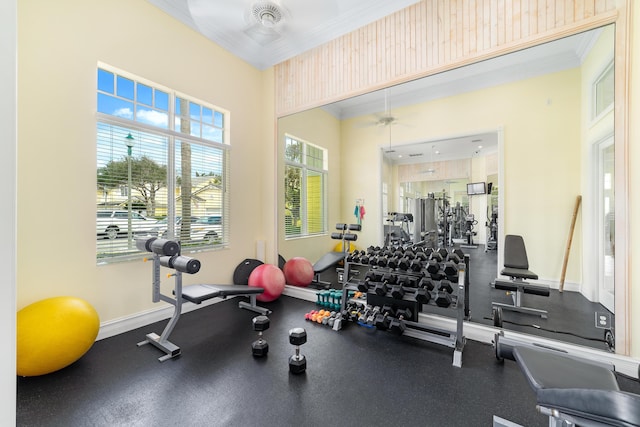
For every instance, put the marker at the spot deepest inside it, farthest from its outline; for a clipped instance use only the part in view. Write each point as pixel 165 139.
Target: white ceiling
pixel 303 25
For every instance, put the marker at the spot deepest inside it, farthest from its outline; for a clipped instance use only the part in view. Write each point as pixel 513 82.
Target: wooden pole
pixel 568 249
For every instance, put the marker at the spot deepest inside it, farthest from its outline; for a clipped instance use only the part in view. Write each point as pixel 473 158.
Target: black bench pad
pixel 199 293
pixel 327 261
pixel 519 273
pixel 577 388
pixel 526 288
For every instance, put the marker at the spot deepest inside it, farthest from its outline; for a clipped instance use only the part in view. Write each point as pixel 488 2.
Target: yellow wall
pixel 541 120
pixel 59 46
pixel 320 128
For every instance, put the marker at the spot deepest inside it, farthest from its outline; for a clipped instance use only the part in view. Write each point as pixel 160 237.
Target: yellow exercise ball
pixel 54 333
pixel 338 247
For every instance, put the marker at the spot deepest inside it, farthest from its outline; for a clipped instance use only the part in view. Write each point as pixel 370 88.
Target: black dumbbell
pixel 397 325
pixel 436 256
pixel 416 265
pixel 445 285
pixel 393 261
pixel 403 263
pixel 297 362
pixel 428 283
pixel 260 347
pixel 413 281
pixel 422 295
pixel 381 321
pixel 381 287
pixel 433 266
pixel 443 252
pixel 443 299
pixel 450 268
pixel 397 291
pixel 454 257
pixel 382 260
pixel 369 278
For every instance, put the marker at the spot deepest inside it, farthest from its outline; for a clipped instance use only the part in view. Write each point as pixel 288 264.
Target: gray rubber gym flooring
pixel 356 376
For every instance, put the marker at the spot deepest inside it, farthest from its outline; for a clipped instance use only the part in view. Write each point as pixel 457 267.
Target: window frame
pixel 608 67
pixel 305 168
pixel 173 137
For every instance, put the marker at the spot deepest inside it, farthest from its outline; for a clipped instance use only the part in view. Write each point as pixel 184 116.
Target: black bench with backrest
pixel 516 267
pixel 572 390
pixel 333 258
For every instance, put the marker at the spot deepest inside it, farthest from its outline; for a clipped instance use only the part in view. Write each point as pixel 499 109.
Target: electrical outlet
pixel 603 320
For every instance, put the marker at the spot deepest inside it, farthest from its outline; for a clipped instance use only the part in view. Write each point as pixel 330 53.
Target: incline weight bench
pixel 516 266
pixel 166 253
pixel 331 259
pixel 570 390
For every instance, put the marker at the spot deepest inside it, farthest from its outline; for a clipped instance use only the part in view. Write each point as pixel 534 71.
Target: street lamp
pixel 129 141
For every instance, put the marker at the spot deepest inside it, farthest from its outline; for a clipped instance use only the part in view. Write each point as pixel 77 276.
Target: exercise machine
pixel 570 390
pixel 166 253
pixel 398 234
pixel 425 227
pixel 334 258
pixel 516 267
pixel 491 243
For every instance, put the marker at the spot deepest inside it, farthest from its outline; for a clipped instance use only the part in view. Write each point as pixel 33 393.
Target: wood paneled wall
pixel 429 37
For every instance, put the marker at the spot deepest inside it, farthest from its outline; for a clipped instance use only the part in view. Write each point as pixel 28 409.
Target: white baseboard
pixel 144 318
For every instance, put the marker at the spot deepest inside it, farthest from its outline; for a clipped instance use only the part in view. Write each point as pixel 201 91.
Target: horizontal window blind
pixel 162 168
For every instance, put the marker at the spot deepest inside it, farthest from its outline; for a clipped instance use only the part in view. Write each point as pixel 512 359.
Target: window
pixel 305 188
pixel 162 167
pixel 603 92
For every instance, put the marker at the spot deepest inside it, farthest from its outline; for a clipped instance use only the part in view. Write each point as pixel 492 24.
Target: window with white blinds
pixel 162 167
pixel 305 182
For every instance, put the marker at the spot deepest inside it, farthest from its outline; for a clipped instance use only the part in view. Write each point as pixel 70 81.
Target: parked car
pixel 203 229
pixel 111 224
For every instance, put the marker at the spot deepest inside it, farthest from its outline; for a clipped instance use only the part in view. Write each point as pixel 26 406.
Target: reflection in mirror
pixel 545 120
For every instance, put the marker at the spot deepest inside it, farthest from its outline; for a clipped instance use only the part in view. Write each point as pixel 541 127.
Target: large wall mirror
pixel 534 129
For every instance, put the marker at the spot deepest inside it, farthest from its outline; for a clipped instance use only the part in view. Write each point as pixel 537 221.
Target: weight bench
pixel 516 266
pixel 333 258
pixel 166 253
pixel 574 391
pixel 199 293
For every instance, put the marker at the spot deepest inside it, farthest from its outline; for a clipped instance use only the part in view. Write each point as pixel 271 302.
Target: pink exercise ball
pixel 298 271
pixel 270 278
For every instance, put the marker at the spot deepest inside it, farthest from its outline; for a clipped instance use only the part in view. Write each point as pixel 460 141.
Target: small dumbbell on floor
pixel 260 347
pixel 297 362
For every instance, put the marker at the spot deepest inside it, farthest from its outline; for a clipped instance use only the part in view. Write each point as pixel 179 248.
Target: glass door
pixel 606 221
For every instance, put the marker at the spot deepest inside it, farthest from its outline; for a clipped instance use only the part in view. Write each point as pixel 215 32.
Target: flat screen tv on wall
pixel 474 188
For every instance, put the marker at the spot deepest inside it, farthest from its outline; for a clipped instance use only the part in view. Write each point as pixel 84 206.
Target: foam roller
pixel 145 244
pixel 165 247
pixel 181 263
pixel 186 264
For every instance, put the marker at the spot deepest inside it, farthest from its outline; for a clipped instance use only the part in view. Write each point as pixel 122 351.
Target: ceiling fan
pixel 261 21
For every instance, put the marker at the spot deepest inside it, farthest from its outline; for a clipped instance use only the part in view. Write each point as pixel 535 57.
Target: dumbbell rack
pixel 453 338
